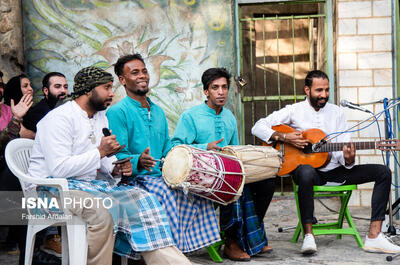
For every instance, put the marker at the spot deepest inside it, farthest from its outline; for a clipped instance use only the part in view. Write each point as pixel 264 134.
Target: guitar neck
pixel 332 147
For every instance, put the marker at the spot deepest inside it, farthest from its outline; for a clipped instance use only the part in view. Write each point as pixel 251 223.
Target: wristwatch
pixel 16 119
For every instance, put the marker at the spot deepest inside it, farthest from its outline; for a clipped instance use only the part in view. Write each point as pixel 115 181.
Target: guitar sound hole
pixel 308 149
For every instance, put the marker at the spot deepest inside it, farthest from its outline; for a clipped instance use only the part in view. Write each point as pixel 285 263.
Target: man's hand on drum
pixel 213 145
pixel 146 161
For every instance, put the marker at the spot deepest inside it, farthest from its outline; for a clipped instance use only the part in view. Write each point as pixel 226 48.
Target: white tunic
pixel 63 144
pixel 302 116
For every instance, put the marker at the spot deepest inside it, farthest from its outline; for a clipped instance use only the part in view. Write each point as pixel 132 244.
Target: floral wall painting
pixel 179 39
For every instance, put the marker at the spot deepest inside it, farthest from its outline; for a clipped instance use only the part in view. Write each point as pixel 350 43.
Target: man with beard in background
pixel 55 89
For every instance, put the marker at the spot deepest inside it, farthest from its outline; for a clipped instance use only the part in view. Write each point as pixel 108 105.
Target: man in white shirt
pixel 316 112
pixel 69 144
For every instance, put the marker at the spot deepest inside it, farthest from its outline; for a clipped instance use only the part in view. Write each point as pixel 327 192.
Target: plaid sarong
pixel 241 215
pixel 140 222
pixel 192 219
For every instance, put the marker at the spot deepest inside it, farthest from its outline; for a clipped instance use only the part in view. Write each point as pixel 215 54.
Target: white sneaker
pixel 309 246
pixel 380 244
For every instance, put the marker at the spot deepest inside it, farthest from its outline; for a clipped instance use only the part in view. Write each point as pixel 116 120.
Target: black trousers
pixel 306 177
pixel 262 193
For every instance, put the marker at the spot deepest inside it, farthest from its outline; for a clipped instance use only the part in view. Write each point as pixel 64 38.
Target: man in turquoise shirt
pixel 210 126
pixel 201 125
pixel 141 125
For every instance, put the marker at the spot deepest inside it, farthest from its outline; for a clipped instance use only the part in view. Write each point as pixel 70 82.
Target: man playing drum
pixel 210 126
pixel 141 125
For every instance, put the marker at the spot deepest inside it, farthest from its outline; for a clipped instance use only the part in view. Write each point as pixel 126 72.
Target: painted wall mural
pixel 179 39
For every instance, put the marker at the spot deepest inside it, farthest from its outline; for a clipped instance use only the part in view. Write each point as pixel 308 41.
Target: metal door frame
pixel 328 48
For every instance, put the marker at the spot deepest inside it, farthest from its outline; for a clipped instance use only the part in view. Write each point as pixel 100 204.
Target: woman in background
pixel 18 94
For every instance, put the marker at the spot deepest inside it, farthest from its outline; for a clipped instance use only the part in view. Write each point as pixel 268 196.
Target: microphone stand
pixel 391 228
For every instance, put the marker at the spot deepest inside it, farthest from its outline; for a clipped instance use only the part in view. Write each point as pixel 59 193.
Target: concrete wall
pixel 11 45
pixel 364 70
pixel 178 40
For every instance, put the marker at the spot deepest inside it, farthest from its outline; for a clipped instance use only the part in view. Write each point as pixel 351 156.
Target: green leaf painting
pixel 175 38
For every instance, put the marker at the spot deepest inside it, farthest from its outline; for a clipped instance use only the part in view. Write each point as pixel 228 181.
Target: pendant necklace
pixel 92 136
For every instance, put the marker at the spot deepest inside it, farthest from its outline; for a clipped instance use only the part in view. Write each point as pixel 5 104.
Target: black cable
pixel 334 211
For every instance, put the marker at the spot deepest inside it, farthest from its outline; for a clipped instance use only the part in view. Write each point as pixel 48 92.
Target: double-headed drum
pixel 214 176
pixel 260 162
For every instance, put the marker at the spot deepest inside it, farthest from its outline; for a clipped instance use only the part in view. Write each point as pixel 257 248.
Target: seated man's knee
pixel 102 217
pixel 386 174
pixel 305 175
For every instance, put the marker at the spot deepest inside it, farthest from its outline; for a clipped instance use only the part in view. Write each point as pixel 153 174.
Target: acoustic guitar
pixel 318 155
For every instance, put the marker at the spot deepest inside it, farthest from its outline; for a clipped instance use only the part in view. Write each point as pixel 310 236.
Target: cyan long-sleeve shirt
pixel 138 128
pixel 201 125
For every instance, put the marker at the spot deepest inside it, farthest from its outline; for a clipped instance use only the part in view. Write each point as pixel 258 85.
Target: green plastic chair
pixel 334 228
pixel 214 248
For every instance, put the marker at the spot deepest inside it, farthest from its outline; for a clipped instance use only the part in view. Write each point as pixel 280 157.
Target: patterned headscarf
pixel 88 78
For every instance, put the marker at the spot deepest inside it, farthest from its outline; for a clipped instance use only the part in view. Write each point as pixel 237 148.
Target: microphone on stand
pixel 345 103
pixel 315 147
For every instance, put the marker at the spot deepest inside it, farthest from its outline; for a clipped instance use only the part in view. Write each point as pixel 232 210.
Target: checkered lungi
pixel 191 218
pixel 140 222
pixel 241 216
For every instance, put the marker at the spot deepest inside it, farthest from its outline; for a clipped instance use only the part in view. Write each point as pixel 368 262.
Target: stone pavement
pixel 282 213
pixel 332 251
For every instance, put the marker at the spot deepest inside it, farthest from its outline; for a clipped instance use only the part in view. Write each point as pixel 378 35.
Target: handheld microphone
pixel 106 133
pixel 345 103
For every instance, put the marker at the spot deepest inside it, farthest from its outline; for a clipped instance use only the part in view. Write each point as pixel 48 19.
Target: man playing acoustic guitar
pixel 316 112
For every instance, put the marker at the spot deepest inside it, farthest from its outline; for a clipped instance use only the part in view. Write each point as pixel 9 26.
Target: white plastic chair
pixel 73 233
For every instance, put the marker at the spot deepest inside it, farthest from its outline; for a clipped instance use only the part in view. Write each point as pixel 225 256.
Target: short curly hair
pixel 119 65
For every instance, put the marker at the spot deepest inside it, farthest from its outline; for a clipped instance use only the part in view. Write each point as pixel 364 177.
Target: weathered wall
pixel 179 39
pixel 364 70
pixel 11 44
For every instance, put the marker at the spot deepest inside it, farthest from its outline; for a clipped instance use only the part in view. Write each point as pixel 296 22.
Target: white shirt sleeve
pixel 262 129
pixel 106 164
pixel 56 140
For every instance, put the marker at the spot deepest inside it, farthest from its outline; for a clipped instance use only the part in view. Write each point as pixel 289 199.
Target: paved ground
pixel 282 213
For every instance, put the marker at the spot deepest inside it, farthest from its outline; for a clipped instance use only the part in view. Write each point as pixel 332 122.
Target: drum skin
pixel 214 176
